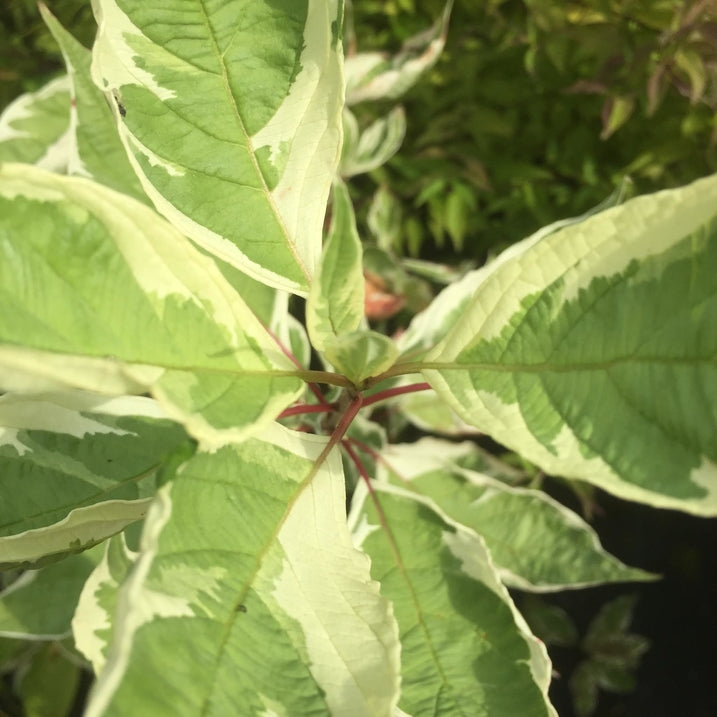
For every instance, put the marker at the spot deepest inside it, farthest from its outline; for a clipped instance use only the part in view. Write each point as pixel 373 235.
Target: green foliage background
pixel 515 127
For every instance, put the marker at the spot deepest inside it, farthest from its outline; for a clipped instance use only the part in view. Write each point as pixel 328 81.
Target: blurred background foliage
pixel 29 56
pixel 537 110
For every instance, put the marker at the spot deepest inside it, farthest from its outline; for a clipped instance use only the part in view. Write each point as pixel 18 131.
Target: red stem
pixel 371 492
pixel 306 408
pixel 379 459
pixel 391 392
pixel 365 448
pixel 359 465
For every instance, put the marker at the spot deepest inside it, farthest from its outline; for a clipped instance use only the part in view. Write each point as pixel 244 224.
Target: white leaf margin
pixel 469 548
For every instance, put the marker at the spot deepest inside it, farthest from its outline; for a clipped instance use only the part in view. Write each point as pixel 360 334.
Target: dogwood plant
pixel 178 451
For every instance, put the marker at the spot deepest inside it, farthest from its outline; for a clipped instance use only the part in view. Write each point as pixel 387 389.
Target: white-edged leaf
pixel 231 118
pixel 92 623
pixel 83 528
pixel 536 543
pixel 95 149
pixel 335 304
pixel 592 352
pixel 464 647
pixel 246 561
pixel 127 304
pixel 375 145
pixel 35 128
pixel 374 76
pixel 431 325
pixel 76 468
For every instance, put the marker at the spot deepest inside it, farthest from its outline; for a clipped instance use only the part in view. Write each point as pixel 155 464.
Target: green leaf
pixel 246 561
pixel 373 76
pixel 464 647
pixel 335 305
pixel 429 412
pixel 584 688
pixel 692 64
pixel 361 354
pixel 375 145
pixel 231 117
pixel 550 623
pixel 616 111
pixel 35 127
pixel 48 687
pixel 76 468
pixel 384 218
pixel 128 305
pixel 25 610
pixel 592 352
pixel 536 543
pixel 96 150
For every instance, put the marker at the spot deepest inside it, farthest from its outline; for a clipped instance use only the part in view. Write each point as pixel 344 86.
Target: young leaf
pixel 335 305
pixel 464 647
pixel 95 148
pixel 592 352
pixel 231 117
pixel 536 543
pixel 35 128
pixel 76 468
pixel 128 305
pixel 246 561
pixel 361 354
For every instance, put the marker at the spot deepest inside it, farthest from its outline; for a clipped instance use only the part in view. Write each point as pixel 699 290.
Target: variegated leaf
pixel 433 324
pixel 335 305
pixel 246 563
pixel 127 304
pixel 92 623
pixel 374 76
pixel 592 352
pixel 35 128
pixel 464 647
pixel 76 468
pixel 373 147
pixel 536 543
pixel 94 148
pixel 231 117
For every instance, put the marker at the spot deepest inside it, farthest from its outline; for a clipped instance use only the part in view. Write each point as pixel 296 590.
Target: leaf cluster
pixel 196 432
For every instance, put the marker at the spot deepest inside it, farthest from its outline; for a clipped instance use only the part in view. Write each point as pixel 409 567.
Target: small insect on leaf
pixel 120 106
pixel 240 608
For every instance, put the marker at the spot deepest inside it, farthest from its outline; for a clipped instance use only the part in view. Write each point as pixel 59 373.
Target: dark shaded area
pixel 678 674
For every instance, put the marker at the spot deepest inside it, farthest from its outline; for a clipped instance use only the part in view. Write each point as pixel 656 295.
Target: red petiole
pixel 375 398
